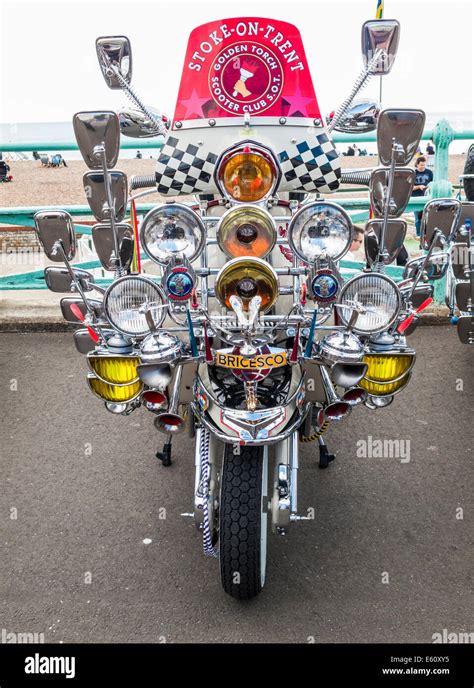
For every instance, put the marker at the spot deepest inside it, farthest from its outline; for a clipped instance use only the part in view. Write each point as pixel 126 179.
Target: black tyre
pixel 469 169
pixel 243 521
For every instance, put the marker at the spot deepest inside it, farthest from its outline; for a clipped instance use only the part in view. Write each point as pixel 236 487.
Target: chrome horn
pixel 336 408
pixel 170 421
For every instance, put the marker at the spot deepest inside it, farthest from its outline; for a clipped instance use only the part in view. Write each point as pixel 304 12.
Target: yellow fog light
pixel 246 231
pixel 388 367
pixel 118 370
pixel 387 373
pixel 115 393
pixel 382 389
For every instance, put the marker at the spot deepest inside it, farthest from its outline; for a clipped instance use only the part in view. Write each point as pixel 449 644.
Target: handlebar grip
pixel 142 182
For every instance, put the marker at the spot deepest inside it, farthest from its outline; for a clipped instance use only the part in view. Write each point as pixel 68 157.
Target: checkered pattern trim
pixel 307 167
pixel 182 170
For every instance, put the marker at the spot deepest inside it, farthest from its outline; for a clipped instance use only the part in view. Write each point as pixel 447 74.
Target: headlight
pixel 247 277
pixel 320 228
pixel 246 231
pixel 247 173
pixel 378 299
pixel 124 299
pixel 172 230
pixel 118 370
pixel 114 393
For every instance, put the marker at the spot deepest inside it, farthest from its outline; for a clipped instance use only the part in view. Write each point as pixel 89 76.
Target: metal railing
pixel 442 135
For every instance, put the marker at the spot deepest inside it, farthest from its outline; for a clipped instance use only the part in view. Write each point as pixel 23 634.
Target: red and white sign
pixel 246 65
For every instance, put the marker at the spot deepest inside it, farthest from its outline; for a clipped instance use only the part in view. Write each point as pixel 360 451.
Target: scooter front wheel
pixel 243 520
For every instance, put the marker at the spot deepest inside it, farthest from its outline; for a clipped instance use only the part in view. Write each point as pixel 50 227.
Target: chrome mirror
pixel 360 118
pixel 466 329
pixel 403 181
pixel 82 340
pixel 441 214
pixel 461 261
pixel 380 34
pixel 60 279
pixel 417 295
pixel 394 237
pixel 464 296
pixel 96 193
pixel 104 243
pixel 94 304
pixel 467 213
pixel 55 232
pixel 403 128
pixel 435 267
pixel 115 59
pixel 98 138
pixel 137 125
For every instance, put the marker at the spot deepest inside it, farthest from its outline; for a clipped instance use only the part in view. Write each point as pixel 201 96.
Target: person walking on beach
pixel 423 177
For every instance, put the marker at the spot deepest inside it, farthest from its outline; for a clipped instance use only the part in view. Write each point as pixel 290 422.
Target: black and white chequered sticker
pixel 311 165
pixel 182 170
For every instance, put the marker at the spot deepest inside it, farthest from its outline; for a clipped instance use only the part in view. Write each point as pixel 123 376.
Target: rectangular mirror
pixel 403 181
pixel 94 187
pixel 394 237
pixel 464 297
pixel 435 268
pixel 103 238
pixel 70 317
pixel 380 34
pixel 467 212
pixel 439 214
pixel 406 127
pixel 60 280
pixel 52 226
pixel 82 340
pixel 460 260
pixel 115 57
pixel 96 132
pixel 465 327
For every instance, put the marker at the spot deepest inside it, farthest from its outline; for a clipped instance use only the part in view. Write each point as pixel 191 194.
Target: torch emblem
pixel 247 70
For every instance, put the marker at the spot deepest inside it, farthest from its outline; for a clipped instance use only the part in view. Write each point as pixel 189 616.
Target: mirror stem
pixel 111 206
pixel 388 198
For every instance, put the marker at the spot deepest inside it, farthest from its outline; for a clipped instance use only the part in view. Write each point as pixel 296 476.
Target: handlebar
pixel 142 181
pixel 356 177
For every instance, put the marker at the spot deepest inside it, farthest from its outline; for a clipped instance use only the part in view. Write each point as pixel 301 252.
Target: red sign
pixel 246 65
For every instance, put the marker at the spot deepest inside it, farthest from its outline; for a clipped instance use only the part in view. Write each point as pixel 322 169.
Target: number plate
pixel 259 362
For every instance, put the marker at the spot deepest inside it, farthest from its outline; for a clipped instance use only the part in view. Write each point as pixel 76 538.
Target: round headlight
pixel 246 278
pixel 172 230
pixel 247 173
pixel 123 302
pixel 376 297
pixel 246 231
pixel 320 228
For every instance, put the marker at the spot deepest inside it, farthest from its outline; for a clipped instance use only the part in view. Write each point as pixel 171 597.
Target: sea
pixel 62 132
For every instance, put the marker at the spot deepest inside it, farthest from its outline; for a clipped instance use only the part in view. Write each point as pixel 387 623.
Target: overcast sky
pixel 49 70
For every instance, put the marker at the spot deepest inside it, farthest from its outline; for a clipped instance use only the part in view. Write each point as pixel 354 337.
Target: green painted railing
pixel 135 144
pixel 442 135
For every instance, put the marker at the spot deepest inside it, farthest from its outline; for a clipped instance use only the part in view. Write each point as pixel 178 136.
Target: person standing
pixel 423 177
